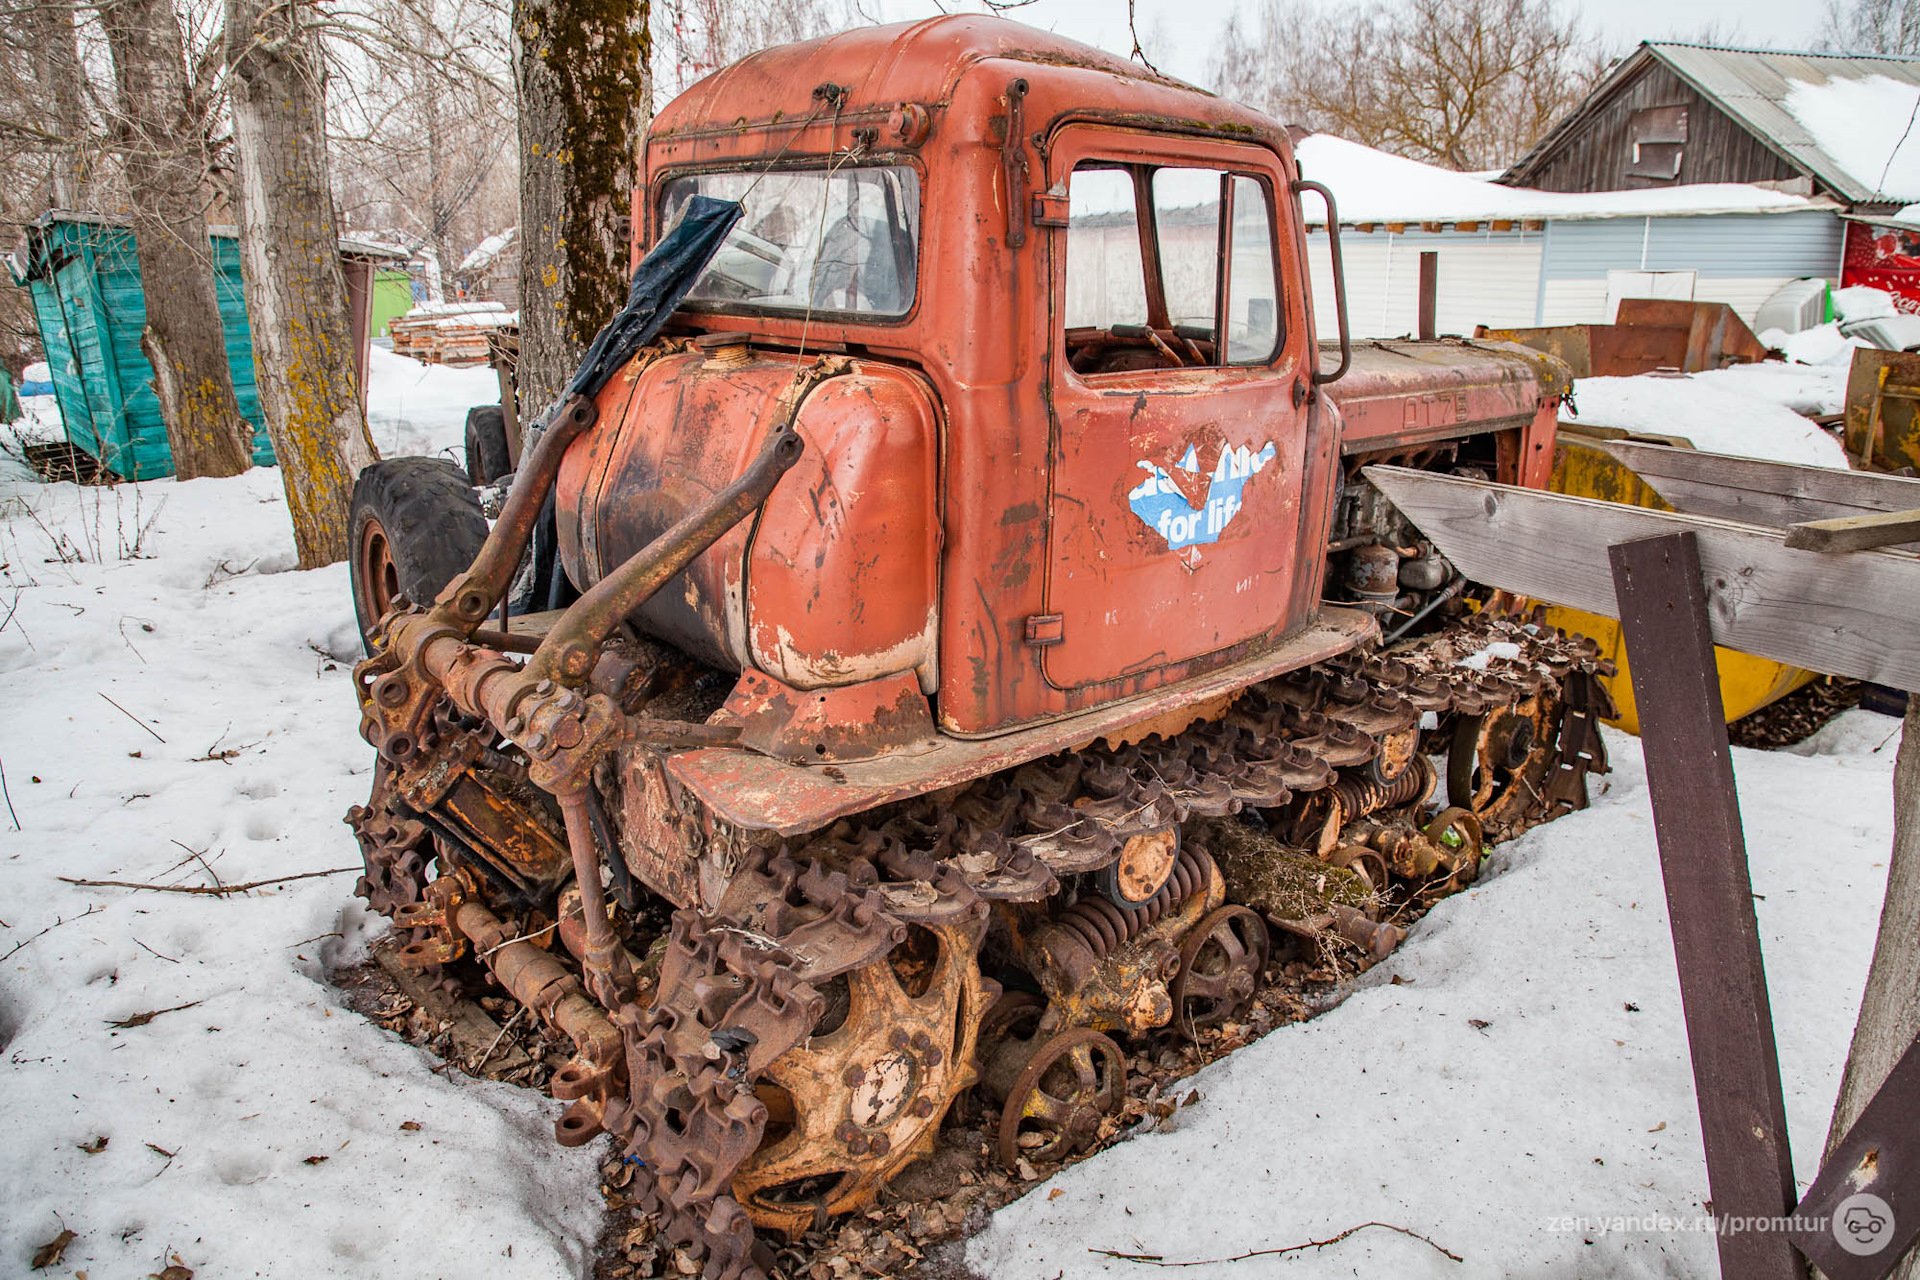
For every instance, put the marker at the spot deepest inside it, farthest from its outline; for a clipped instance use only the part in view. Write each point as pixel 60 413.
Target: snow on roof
pixel 1372 186
pixel 487 250
pixel 1866 127
pixel 467 308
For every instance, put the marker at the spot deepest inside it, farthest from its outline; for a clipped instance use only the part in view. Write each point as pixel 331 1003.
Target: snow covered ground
pixel 422 408
pixel 1751 411
pixel 1529 1068
pixel 281 1110
pixel 276 1116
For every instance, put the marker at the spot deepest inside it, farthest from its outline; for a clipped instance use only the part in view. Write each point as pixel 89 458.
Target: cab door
pixel 1179 377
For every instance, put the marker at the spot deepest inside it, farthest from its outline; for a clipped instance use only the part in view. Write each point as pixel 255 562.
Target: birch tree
pixel 290 262
pixel 161 142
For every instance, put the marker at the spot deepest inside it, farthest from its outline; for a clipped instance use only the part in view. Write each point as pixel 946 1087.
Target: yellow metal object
pixel 1883 411
pixel 1747 683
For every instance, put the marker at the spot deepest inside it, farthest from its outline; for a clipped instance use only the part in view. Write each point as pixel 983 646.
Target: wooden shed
pixel 1672 113
pixel 1829 124
pixel 83 275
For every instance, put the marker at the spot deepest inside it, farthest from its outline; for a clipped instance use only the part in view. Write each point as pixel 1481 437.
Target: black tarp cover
pixel 660 282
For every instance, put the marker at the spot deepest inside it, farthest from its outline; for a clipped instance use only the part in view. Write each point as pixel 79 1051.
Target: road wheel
pixel 487 458
pixel 415 524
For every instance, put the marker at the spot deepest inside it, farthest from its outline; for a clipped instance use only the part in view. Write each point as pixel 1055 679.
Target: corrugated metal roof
pixel 1752 86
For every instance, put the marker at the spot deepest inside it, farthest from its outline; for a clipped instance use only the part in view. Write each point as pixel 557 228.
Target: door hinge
pixel 1044 629
pixel 1050 209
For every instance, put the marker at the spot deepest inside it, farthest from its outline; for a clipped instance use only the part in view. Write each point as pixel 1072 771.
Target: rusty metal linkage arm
pixel 471 597
pixel 567 655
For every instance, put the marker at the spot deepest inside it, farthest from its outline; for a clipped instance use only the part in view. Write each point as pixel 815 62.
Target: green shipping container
pixel 83 275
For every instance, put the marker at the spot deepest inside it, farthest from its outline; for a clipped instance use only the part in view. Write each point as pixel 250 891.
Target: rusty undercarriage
pixel 774 1056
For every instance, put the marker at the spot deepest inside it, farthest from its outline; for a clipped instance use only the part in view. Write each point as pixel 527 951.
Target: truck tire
pixel 415 523
pixel 487 458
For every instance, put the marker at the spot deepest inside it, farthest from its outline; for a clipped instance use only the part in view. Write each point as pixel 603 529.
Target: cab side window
pixel 1168 267
pixel 1106 281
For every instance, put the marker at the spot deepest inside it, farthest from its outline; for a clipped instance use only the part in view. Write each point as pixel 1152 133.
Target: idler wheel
pixel 1069 1086
pixel 1458 833
pixel 1143 868
pixel 1221 961
pixel 1365 861
pixel 1498 767
pixel 863 1096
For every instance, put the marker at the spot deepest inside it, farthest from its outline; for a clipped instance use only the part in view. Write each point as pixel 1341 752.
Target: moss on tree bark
pixel 290 260
pixel 583 72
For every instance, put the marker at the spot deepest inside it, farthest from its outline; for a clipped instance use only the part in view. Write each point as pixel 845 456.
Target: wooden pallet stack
pixel 448 333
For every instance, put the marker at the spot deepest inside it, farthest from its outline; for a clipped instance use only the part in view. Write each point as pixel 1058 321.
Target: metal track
pixel 742 986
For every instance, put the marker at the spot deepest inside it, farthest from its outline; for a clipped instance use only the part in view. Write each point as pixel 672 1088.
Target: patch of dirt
pixel 1797 716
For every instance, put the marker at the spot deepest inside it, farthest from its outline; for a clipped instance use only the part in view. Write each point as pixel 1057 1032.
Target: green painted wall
pixel 84 279
pixel 392 298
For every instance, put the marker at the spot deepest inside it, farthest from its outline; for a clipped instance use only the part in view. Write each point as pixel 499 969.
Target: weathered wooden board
pixel 1879 1157
pixel 477 1040
pixel 1772 494
pixel 1855 533
pixel 1703 863
pixel 1856 615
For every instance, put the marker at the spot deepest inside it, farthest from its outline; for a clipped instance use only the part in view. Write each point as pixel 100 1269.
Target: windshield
pixel 837 240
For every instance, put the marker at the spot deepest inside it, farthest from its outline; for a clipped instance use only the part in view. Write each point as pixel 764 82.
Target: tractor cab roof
pixel 869 72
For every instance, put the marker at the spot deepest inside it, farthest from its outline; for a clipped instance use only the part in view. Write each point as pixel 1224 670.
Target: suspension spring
pixel 1359 796
pixel 1104 927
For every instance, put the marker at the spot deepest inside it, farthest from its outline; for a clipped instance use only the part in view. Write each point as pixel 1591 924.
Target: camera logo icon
pixel 1863 1224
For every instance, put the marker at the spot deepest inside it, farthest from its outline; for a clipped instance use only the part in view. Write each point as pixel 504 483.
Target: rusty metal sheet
pixel 844 574
pixel 753 791
pixel 1648 334
pixel 1401 393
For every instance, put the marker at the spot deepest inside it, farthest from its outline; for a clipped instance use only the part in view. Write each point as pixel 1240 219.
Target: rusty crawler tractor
pixel 987 648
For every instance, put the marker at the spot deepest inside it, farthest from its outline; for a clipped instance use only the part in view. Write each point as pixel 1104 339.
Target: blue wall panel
pixel 1734 246
pixel 1588 250
pixel 1784 244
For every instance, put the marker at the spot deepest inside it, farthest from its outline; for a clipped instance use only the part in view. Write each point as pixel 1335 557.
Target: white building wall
pixel 1485 278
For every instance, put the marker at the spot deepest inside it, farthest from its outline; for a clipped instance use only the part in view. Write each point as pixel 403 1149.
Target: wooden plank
pixel 1855 616
pixel 534 624
pixel 1773 494
pixel 1880 1156
pixel 1856 533
pixel 478 1045
pixel 1429 294
pixel 1703 862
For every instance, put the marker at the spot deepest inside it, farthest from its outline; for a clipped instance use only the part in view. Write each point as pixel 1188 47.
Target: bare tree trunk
pixel 290 259
pixel 51 44
pixel 584 78
pixel 165 159
pixel 1890 1008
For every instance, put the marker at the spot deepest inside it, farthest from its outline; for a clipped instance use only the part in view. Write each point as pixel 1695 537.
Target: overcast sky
pixel 1181 34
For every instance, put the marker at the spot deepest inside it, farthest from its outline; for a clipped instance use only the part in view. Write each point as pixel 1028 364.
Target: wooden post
pixel 1863 1211
pixel 1429 294
pixel 1703 860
